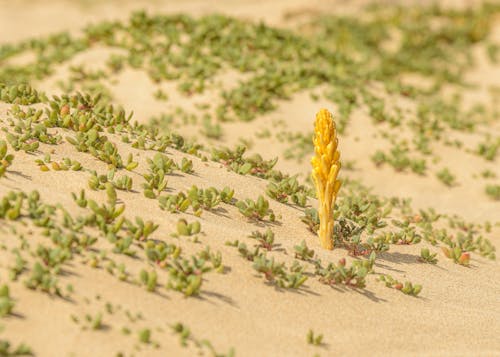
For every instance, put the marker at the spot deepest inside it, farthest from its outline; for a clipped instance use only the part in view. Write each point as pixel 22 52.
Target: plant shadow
pixel 398 258
pixel 20 174
pixel 217 296
pixel 363 292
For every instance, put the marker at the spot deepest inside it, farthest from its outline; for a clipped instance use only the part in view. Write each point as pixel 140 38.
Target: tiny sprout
pixel 256 210
pixel 6 302
pixel 493 191
pixel 122 273
pixel 145 335
pixel 214 258
pixel 80 200
pixel 5 160
pixel 187 229
pixel 314 340
pixel 457 255
pixel 149 280
pixel 20 350
pixel 265 239
pixel 96 323
pixel 303 252
pixel 446 177
pixel 427 257
pixel 111 193
pixel 311 219
pixel 353 276
pixel 186 276
pixel 183 332
pixel 186 165
pixel 287 188
pixel 130 163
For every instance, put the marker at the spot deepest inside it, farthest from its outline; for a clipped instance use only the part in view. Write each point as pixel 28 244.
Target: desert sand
pixel 457 313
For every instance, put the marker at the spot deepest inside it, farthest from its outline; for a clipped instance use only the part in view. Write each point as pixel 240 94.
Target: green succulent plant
pixel 256 210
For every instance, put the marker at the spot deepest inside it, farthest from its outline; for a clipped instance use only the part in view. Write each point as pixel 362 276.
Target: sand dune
pixel 104 299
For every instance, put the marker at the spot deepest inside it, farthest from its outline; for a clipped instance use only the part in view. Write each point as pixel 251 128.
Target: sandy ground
pixel 457 313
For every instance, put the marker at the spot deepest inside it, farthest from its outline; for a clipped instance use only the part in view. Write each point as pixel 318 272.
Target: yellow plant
pixel 326 165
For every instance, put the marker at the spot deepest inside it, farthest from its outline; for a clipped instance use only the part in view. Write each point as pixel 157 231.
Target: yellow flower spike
pixel 326 166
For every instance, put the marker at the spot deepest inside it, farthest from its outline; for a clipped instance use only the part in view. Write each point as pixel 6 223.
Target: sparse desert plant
pixel 145 335
pixel 234 161
pixel 314 339
pixel 131 164
pixel 348 235
pixel 95 322
pixel 489 148
pixel 446 177
pixel 185 335
pixel 22 94
pixel 17 268
pixel 187 276
pixel 122 245
pixel 123 183
pixel 212 131
pixel 65 164
pixel 311 218
pixel 353 276
pixel 141 230
pixel 244 251
pixel 188 229
pixel 183 332
pixel 269 267
pixel 105 213
pixel 407 288
pixel 399 159
pixel 122 272
pixel 155 178
pixel 6 302
pixel 43 279
pixel 175 203
pixel 406 236
pixel 5 159
pixel 488 174
pixel 266 239
pixel 256 210
pixel 427 257
pixel 458 255
pixel 493 191
pixel 303 252
pixel 21 350
pixel 326 165
pixel 214 258
pixel 276 273
pixel 210 197
pixel 98 145
pixel 226 195
pixel 287 188
pixel 111 193
pixel 206 198
pixel 292 280
pixel 186 165
pixel 10 206
pixel 159 251
pixel 149 279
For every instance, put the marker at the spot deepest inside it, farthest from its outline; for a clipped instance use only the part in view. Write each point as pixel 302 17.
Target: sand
pixel 456 314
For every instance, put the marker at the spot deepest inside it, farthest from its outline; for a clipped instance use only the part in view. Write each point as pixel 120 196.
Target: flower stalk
pixel 326 165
